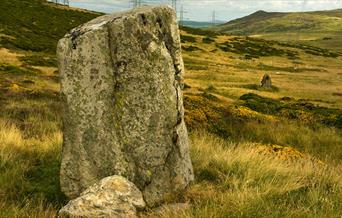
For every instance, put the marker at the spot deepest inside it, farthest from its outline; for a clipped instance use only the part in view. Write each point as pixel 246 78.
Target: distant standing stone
pixel 123 107
pixel 112 197
pixel 266 81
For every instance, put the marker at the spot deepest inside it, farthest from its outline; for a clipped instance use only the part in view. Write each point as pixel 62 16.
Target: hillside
pixel 256 152
pixel 271 22
pixel 319 28
pixel 35 25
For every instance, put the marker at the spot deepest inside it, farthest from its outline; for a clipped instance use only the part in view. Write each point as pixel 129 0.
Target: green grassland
pixel 35 25
pixel 256 152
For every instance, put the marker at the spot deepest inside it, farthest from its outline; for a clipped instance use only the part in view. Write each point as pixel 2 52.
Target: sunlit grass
pixel 235 180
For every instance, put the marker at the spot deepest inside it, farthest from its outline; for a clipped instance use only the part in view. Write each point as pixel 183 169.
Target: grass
pixel 320 29
pixel 256 152
pixel 34 26
pixel 259 88
pixel 236 180
pixel 269 22
pixel 241 124
pixel 29 172
pixel 300 75
pixel 40 60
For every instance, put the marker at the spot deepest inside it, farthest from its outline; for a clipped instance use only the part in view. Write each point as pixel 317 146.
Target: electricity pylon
pixel 136 3
pixel 181 16
pixel 174 5
pixel 213 19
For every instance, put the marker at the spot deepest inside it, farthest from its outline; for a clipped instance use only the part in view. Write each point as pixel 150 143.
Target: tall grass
pixel 29 184
pixel 237 181
pixel 232 180
pixel 320 141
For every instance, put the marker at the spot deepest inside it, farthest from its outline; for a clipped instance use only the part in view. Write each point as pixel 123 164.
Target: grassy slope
pixel 238 173
pixel 321 28
pixel 32 25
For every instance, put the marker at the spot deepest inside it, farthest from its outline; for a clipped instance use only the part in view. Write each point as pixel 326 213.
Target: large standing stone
pixel 112 197
pixel 123 107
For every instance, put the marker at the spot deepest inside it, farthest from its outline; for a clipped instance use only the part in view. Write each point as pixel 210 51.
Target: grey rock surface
pixel 113 197
pixel 121 77
pixel 266 81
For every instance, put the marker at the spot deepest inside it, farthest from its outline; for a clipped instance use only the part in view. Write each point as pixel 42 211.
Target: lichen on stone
pixel 123 107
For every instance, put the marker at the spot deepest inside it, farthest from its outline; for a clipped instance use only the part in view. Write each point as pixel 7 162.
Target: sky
pixel 225 10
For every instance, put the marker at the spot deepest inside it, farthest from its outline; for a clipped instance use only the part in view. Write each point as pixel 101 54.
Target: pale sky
pixel 225 9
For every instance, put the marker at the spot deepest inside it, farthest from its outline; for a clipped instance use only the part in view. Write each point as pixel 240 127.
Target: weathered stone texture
pixel 266 81
pixel 112 197
pixel 123 108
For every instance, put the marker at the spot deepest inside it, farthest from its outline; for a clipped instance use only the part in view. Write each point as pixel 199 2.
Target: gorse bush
pixel 296 110
pixel 261 122
pixel 254 48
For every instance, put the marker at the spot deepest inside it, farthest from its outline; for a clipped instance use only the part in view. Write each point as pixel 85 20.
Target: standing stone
pixel 123 107
pixel 112 197
pixel 266 81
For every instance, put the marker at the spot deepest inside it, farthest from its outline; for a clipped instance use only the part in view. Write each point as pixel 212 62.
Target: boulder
pixel 266 81
pixel 121 78
pixel 112 197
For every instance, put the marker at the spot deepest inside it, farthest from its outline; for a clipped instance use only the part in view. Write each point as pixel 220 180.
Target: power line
pixel 181 17
pixel 60 2
pixel 136 3
pixel 213 20
pixel 174 5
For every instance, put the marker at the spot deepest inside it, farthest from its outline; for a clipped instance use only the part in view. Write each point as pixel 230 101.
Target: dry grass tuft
pixel 235 180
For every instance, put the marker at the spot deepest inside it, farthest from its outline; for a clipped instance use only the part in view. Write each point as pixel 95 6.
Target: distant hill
pixel 199 24
pixel 318 28
pixel 270 22
pixel 36 25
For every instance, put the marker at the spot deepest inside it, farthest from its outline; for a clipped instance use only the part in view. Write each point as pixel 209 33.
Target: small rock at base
pixel 113 197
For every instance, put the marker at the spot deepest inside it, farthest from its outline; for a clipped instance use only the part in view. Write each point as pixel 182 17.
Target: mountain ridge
pixel 266 22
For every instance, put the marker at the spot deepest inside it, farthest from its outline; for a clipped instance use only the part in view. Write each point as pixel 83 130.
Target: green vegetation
pixel 191 48
pixel 40 60
pixel 256 152
pixel 36 26
pixel 292 109
pixel 254 48
pixel 265 22
pixel 320 28
pixel 313 50
pixel 259 88
pixel 290 126
pixel 208 40
pixel 14 70
pixel 185 38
